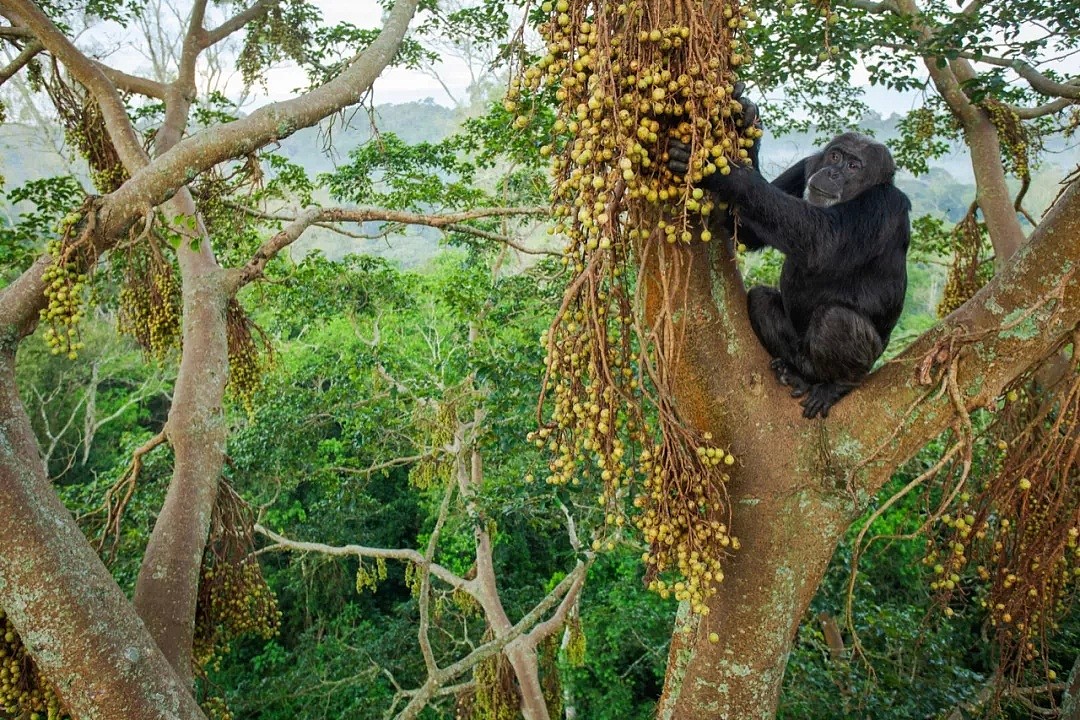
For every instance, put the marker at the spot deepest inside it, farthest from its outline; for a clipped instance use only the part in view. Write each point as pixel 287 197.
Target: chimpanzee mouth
pixel 814 196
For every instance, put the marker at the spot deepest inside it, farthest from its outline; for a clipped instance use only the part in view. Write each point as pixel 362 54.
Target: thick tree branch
pixel 870 6
pixel 980 133
pixel 88 73
pixel 1020 317
pixel 181 93
pixel 558 618
pixel 149 187
pixel 29 51
pixel 1051 108
pixel 1039 83
pixel 12 32
pixel 132 83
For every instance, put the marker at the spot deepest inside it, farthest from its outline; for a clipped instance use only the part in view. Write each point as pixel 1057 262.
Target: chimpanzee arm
pixel 859 228
pixel 768 214
pixel 791 182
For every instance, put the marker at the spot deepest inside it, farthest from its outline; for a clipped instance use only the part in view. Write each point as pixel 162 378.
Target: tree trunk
pixel 78 626
pixel 787 508
pixel 168 584
pixel 522 657
pixel 798 485
pixel 1070 700
pixel 991 191
pixel 980 135
pixel 521 653
pixel 787 511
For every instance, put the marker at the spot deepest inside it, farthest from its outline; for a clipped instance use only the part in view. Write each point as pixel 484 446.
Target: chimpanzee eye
pixel 854 165
pixel 834 157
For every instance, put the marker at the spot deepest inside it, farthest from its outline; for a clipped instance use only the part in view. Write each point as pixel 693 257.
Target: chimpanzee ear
pixel 885 164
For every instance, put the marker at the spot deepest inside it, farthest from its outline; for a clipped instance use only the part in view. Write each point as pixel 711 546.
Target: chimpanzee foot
pixel 788 376
pixel 821 397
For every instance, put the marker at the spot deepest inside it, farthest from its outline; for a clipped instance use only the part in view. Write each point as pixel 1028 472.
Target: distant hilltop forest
pixel 31 151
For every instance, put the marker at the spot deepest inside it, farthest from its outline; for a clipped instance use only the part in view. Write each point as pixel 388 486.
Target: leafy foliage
pixel 49 200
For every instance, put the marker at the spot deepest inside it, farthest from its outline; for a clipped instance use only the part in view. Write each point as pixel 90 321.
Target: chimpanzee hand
pixel 679 152
pixel 749 114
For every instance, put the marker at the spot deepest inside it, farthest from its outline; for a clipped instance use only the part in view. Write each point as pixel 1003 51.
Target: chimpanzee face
pixel 848 166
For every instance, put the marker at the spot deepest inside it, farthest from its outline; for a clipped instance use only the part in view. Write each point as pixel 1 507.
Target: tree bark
pixel 730 663
pixel 75 621
pixel 167 588
pixel 981 136
pixel 520 652
pixel 798 485
pixel 168 580
pixel 1070 700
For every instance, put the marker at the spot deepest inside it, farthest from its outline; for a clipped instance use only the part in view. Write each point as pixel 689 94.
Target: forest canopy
pixel 318 407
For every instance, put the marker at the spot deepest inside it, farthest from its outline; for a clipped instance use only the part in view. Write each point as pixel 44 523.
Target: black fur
pixel 845 274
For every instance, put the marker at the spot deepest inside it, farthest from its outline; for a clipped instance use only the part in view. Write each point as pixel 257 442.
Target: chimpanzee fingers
pixel 678 157
pixel 814 406
pixel 749 113
pixel 678 150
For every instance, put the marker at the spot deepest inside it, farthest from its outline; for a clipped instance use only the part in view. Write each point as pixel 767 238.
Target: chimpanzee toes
pixel 790 377
pixel 821 397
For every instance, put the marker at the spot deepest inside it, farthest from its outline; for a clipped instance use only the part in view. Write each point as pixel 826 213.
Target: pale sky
pixel 395 85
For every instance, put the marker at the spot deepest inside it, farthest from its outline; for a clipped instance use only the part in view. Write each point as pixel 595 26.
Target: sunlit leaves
pixel 926 133
pixel 118 10
pixel 331 49
pixel 392 174
pixel 483 24
pixel 493 136
pixel 284 31
pixel 48 200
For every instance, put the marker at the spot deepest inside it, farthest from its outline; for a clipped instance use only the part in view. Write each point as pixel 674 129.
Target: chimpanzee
pixel 844 230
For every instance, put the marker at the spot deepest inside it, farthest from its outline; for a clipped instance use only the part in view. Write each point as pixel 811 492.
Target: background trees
pixel 419 562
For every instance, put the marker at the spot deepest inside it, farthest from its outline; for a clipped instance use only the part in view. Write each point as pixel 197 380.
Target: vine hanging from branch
pixel 628 77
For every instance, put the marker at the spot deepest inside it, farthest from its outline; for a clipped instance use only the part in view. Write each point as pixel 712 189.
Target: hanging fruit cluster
pixel 629 77
pixel 970 268
pixel 369 578
pixel 1015 540
pixel 150 298
pixel 65 281
pixel 495 696
pixel 234 599
pixel 23 692
pixel 216 709
pixel 250 351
